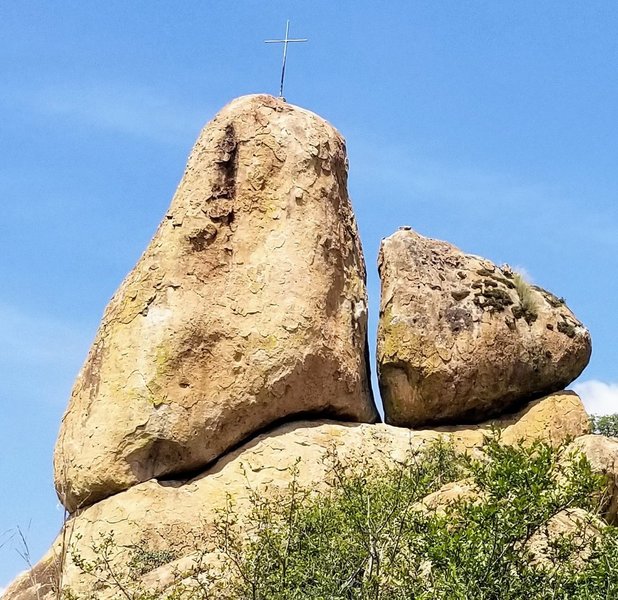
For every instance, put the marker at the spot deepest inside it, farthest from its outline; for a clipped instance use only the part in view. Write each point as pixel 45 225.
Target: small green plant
pixel 144 559
pixel 527 301
pixel 605 425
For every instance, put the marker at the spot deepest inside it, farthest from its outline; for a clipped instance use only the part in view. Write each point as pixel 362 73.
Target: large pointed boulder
pixel 461 339
pixel 248 307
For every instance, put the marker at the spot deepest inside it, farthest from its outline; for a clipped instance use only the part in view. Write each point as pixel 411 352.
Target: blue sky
pixel 492 125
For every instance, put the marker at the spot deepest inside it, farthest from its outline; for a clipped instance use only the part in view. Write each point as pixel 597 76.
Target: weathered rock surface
pixel 248 306
pixel 576 526
pixel 451 493
pixel 552 419
pixel 171 514
pixel 602 454
pixel 461 340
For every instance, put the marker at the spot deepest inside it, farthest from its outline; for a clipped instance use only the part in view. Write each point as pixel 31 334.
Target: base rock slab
pixel 171 514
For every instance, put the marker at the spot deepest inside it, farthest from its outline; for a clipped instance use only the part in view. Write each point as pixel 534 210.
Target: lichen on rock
pixel 248 307
pixel 461 339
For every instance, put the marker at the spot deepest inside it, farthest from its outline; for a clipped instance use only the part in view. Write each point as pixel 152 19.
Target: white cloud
pixel 38 340
pixel 129 109
pixel 39 356
pixel 599 397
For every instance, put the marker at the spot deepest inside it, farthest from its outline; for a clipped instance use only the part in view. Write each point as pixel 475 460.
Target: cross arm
pixel 285 41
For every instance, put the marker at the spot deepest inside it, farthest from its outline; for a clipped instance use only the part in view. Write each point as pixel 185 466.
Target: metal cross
pixel 285 43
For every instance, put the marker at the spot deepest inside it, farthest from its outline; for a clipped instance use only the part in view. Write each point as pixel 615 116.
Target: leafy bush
pixel 605 425
pixel 371 536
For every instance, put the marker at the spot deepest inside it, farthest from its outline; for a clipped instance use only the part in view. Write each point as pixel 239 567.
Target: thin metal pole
pixel 285 43
pixel 285 56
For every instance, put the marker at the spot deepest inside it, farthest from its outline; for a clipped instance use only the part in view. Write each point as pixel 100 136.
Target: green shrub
pixel 605 425
pixel 371 537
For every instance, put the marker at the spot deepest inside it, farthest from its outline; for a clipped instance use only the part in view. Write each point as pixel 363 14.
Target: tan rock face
pixel 449 494
pixel 602 454
pixel 579 527
pixel 461 339
pixel 553 419
pixel 171 514
pixel 248 306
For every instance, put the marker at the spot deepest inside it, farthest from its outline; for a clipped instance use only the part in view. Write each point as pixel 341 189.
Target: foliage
pixel 605 425
pixel 371 536
pixel 527 301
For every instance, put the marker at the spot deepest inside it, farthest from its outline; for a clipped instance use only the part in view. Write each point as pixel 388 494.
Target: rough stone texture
pixel 553 419
pixel 602 454
pixel 441 500
pixel 40 582
pixel 170 514
pixel 249 306
pixel 579 527
pixel 461 340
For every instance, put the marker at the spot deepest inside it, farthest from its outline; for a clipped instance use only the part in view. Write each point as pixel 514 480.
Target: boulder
pixel 172 518
pixel 602 454
pixel 461 339
pixel 247 308
pixel 553 419
pixel 579 529
pixel 442 500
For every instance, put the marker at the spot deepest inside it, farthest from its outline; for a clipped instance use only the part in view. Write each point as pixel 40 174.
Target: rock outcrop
pixel 580 528
pixel 248 307
pixel 552 419
pixel 602 454
pixel 461 339
pixel 168 515
pixel 232 361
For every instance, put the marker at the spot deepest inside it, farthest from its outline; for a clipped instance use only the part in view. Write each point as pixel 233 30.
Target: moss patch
pixel 567 328
pixel 495 299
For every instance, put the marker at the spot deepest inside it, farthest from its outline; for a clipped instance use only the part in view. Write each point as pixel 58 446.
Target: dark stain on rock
pixel 460 294
pixel 494 299
pixel 146 308
pixel 519 312
pixel 567 328
pixel 91 377
pixel 227 161
pixel 200 239
pixel 552 300
pixel 458 319
pixel 496 277
pixel 194 346
pixel 221 211
pixel 158 457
